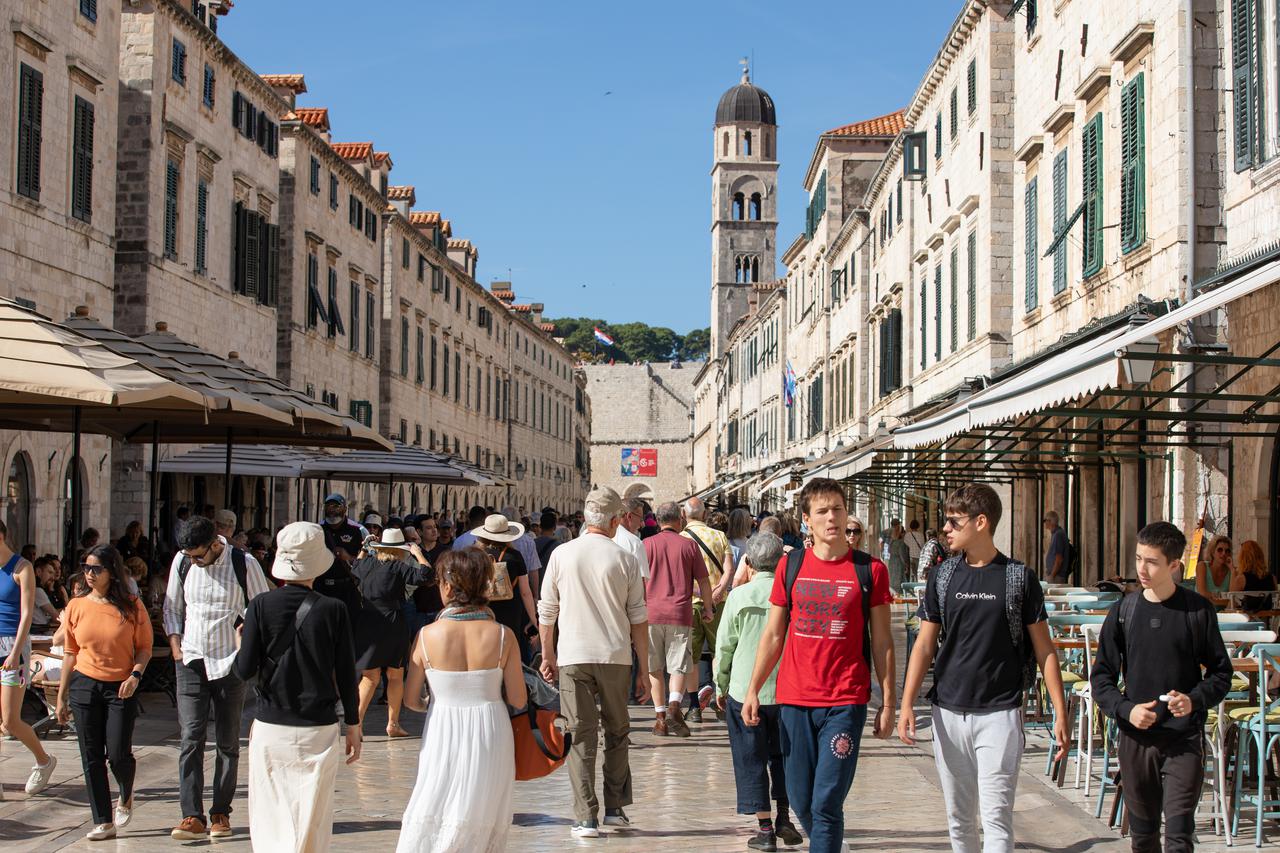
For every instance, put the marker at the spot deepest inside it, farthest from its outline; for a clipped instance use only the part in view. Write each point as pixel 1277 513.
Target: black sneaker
pixel 585 829
pixel 616 817
pixel 787 833
pixel 764 839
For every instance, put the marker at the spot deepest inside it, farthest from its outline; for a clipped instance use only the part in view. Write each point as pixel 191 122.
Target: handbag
pixel 540 745
pixel 500 586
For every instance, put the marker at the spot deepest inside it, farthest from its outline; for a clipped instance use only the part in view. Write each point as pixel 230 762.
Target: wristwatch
pixel 135 674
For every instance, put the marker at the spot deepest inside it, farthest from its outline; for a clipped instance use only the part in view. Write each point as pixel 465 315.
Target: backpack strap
pixel 284 640
pixel 1128 608
pixel 795 559
pixel 703 545
pixel 862 565
pixel 240 566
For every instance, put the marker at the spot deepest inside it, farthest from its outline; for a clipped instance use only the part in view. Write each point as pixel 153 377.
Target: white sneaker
pixel 101 832
pixel 123 814
pixel 585 829
pixel 40 776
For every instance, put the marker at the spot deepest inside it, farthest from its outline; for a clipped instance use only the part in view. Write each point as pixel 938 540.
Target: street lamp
pixel 520 471
pixel 1139 370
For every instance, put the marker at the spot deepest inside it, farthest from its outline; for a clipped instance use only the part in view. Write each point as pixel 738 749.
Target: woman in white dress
pixel 461 800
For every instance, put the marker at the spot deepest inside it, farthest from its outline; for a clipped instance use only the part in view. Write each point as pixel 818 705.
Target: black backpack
pixel 1017 576
pixel 862 564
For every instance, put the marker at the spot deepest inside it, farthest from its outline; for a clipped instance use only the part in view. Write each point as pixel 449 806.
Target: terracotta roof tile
pixel 547 327
pixel 317 117
pixel 446 228
pixel 504 295
pixel 382 157
pixel 460 244
pixel 353 150
pixel 886 125
pixel 522 309
pixel 424 217
pixel 401 193
pixel 293 82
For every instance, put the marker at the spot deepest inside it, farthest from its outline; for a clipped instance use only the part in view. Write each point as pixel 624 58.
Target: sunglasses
pixel 956 522
pixel 92 568
pixel 853 531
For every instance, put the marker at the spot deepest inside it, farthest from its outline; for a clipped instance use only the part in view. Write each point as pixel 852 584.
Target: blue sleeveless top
pixel 10 599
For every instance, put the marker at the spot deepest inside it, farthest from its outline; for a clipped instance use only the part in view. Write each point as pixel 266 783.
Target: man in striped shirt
pixel 210 583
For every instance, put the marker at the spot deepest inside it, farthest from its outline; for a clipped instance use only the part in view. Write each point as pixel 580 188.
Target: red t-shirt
pixel 675 565
pixel 822 663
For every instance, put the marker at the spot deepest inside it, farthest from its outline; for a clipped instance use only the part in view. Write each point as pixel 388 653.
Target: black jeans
pixel 758 766
pixel 198 697
pixel 104 727
pixel 1163 777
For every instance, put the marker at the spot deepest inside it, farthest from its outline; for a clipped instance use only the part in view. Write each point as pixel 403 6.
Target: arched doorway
pixel 17 513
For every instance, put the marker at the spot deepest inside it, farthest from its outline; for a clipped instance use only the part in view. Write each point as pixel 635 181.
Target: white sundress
pixel 461 801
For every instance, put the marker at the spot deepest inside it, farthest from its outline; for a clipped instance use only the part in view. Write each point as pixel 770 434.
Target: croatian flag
pixel 602 337
pixel 789 386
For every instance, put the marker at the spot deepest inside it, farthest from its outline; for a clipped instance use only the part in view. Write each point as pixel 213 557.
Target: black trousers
pixel 758 767
pixel 1163 778
pixel 104 726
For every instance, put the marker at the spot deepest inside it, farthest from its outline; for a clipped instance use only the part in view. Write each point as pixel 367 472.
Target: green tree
pixel 632 342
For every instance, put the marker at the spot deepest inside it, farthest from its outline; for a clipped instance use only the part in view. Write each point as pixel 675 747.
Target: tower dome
pixel 745 102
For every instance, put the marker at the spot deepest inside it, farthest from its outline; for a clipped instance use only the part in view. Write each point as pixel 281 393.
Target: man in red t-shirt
pixel 824 681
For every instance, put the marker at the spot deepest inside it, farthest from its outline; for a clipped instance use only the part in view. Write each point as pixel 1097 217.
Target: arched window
pixel 755 269
pixel 746 144
pixel 725 151
pixel 739 206
pixel 768 145
pixel 755 206
pixel 17 510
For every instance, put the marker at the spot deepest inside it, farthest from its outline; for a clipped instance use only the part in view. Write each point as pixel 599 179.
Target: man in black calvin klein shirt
pixel 1158 640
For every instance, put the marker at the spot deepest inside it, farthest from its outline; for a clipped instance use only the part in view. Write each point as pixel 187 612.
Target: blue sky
pixel 597 204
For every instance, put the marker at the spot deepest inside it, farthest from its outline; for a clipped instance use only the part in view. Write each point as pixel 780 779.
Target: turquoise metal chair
pixel 1259 731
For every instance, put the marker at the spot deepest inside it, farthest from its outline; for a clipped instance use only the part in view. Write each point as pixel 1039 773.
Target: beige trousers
pixel 292 770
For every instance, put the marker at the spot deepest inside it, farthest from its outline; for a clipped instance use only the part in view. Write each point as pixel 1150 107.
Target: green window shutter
pixel 973 86
pixel 1030 224
pixel 202 226
pixel 937 137
pixel 336 326
pixel 253 254
pixel 82 161
pixel 955 112
pixel 30 130
pixel 1060 221
pixel 1092 187
pixel 1133 168
pixel 210 86
pixel 973 285
pixel 171 210
pixel 313 308
pixel 404 349
pixel 955 298
pixel 899 201
pixel 924 323
pixel 937 313
pixel 354 341
pixel 270 294
pixel 369 316
pixel 1246 83
pixel 419 373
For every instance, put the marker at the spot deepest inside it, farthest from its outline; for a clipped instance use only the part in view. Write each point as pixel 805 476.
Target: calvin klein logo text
pixel 979 596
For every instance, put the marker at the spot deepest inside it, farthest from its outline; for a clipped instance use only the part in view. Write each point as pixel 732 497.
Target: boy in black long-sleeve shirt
pixel 1158 640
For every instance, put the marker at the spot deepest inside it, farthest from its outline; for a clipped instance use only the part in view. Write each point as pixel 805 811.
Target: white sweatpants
pixel 978 758
pixel 292 770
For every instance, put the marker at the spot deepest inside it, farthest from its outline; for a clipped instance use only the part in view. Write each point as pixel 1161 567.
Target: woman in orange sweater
pixel 107 647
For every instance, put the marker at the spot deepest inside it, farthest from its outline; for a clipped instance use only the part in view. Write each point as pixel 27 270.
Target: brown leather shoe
pixel 219 826
pixel 191 829
pixel 660 726
pixel 675 721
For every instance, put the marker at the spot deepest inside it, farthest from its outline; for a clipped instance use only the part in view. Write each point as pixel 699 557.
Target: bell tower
pixel 744 212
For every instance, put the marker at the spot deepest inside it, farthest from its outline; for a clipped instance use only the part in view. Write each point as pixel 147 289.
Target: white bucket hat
pixel 301 553
pixel 392 540
pixel 497 528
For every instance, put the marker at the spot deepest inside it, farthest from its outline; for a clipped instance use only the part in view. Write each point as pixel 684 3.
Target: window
pixel 362 412
pixel 1092 186
pixel 433 362
pixel 739 209
pixel 457 376
pixel 1029 217
pixel 924 323
pixel 315 176
pixel 755 206
pixel 1247 83
pixel 335 318
pixel 255 265
pixel 369 316
pixel 171 176
pixel 404 256
pixel 354 340
pixel 333 191
pixel 179 62
pixel 746 144
pixel 914 160
pixel 82 161
pixel 1133 165
pixel 890 349
pixel 1060 221
pixel 973 285
pixel 937 137
pixel 444 372
pixel 89 9
pixel 955 298
pixel 937 313
pixel 315 305
pixel 202 227
pixel 955 112
pixel 30 119
pixel 817 205
pixel 419 368
pixel 973 86
pixel 210 85
pixel 899 201
pixel 404 347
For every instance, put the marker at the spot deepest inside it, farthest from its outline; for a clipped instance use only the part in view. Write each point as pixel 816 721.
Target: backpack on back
pixel 238 564
pixel 862 565
pixel 1016 578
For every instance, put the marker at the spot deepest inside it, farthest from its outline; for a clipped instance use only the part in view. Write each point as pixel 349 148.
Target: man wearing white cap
pixel 594 594
pixel 298 643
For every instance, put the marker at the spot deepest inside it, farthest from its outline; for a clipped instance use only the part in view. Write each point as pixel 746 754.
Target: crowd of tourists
pixel 779 626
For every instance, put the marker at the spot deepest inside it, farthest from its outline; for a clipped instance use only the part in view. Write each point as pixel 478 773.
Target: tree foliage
pixel 632 342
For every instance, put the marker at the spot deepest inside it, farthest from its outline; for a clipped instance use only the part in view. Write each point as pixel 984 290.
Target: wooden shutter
pixel 955 298
pixel 895 348
pixel 89 8
pixel 30 130
pixel 973 85
pixel 955 112
pixel 369 308
pixel 1133 169
pixel 209 83
pixel 239 241
pixel 937 137
pixel 1030 224
pixel 1092 186
pixel 237 110
pixel 354 293
pixel 267 260
pixel 924 323
pixel 419 369
pixel 202 231
pixel 1060 221
pixel 179 62
pixel 1246 82
pixel 972 297
pixel 336 326
pixel 82 161
pixel 170 209
pixel 252 253
pixel 937 313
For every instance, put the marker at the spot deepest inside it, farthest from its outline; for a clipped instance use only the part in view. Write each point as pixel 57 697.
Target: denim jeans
pixel 104 726
pixel 820 746
pixel 757 758
pixel 198 698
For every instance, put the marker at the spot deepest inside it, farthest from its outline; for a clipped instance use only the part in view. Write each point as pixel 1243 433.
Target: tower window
pixel 755 206
pixel 725 148
pixel 739 206
pixel 746 144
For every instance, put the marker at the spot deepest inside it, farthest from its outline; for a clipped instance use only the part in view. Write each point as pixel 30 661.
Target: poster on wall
pixel 639 462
